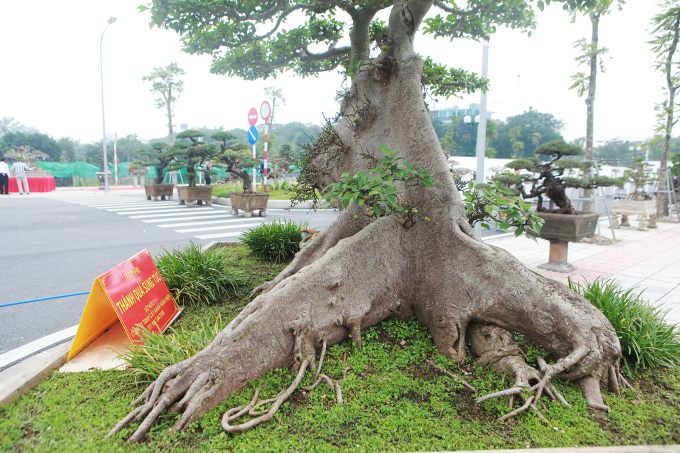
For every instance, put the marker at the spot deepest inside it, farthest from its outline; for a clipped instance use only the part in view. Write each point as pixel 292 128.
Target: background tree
pixel 163 82
pixel 164 155
pixel 38 141
pixel 423 260
pixel 666 31
pixel 590 57
pixel 190 153
pixel 131 147
pixel 235 157
pixel 9 124
pixel 548 178
pixel 530 122
pixel 68 148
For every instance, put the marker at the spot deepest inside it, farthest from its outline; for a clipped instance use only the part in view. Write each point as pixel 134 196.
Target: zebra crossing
pixel 202 222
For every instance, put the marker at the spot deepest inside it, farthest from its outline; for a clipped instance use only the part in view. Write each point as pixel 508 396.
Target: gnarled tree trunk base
pixel 358 273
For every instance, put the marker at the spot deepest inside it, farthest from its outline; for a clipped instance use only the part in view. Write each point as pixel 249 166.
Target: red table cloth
pixel 34 185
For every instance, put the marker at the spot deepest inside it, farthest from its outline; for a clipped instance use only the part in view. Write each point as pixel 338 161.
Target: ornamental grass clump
pixel 194 276
pixel 160 350
pixel 274 241
pixel 647 339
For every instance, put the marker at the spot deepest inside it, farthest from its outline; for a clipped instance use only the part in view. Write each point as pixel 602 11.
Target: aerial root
pixel 451 375
pixel 124 422
pixel 544 384
pixel 270 413
pixel 144 396
pixel 267 414
pixel 323 353
pixel 198 384
pixel 507 416
pixel 508 392
pixel 323 377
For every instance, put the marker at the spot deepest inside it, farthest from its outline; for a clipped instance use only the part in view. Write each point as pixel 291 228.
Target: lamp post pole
pixel 468 120
pixel 101 68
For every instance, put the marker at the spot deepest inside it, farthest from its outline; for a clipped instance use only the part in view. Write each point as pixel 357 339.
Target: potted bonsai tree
pixel 193 155
pixel 165 156
pixel 638 202
pixel 234 158
pixel 562 223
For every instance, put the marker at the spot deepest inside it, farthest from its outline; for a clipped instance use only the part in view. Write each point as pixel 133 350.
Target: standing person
pixel 4 177
pixel 19 169
pixel 208 168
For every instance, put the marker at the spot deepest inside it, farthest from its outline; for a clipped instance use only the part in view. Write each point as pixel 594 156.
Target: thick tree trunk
pixel 171 135
pixel 590 107
pixel 662 198
pixel 358 273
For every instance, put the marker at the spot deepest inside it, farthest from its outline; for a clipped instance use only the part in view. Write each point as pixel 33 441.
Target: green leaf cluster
pixel 377 188
pixel 491 204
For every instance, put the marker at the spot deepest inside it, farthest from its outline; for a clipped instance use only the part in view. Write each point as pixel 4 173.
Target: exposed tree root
pixel 451 375
pixel 497 350
pixel 227 417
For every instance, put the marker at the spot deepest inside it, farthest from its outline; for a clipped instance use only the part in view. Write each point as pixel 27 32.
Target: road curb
pixel 623 449
pixel 22 377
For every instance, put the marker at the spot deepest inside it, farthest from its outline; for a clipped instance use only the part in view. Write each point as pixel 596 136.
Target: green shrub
pixel 647 340
pixel 194 276
pixel 276 241
pixel 160 350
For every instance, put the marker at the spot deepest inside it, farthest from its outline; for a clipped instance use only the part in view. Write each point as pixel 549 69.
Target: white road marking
pixel 223 227
pixel 210 222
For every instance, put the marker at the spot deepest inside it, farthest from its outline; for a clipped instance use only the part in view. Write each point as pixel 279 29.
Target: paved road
pixel 55 246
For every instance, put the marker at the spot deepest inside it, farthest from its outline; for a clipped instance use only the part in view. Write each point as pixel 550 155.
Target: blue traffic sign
pixel 252 135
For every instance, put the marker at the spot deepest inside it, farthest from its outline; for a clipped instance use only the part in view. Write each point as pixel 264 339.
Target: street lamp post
pixel 468 120
pixel 101 68
pixel 633 149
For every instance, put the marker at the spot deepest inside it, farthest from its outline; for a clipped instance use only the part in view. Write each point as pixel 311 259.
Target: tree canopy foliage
pixel 535 129
pixel 252 40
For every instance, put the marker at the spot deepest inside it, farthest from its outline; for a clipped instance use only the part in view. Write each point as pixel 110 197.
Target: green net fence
pixel 84 174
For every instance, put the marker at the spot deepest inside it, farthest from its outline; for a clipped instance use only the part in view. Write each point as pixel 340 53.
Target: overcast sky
pixel 50 76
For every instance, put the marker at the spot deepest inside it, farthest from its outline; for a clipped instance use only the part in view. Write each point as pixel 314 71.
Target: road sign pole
pixel 265 113
pixel 254 171
pixel 252 120
pixel 266 122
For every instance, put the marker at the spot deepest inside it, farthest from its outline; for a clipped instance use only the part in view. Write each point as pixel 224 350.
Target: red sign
pixel 252 117
pixel 134 293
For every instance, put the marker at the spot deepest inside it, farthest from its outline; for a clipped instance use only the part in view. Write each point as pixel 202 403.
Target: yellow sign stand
pixel 98 316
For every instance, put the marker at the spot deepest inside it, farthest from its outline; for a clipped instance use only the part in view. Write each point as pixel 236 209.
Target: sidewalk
pixel 647 260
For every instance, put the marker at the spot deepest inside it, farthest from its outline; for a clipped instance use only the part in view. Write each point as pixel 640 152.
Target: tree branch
pixel 308 57
pixel 457 12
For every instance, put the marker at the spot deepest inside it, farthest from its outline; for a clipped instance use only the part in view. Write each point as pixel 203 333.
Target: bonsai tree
pixel 367 266
pixel 640 175
pixel 234 158
pixel 164 155
pixel 189 156
pixel 550 180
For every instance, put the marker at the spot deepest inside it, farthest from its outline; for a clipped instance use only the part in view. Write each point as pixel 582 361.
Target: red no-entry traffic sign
pixel 252 116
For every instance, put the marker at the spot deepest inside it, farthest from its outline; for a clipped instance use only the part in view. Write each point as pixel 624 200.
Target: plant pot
pixel 164 191
pixel 645 208
pixel 560 230
pixel 187 195
pixel 248 202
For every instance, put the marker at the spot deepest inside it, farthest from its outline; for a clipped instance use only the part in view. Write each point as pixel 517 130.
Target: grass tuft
pixel 647 340
pixel 160 350
pixel 194 276
pixel 274 241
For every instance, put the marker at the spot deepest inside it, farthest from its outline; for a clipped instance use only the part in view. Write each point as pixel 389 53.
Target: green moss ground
pixel 393 402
